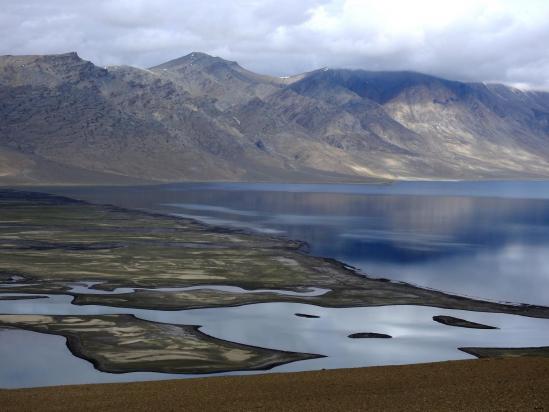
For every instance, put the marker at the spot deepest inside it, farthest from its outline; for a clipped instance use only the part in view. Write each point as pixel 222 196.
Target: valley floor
pixel 495 384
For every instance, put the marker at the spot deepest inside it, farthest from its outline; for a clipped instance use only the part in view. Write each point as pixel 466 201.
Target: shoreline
pixel 353 182
pixel 347 286
pixel 299 247
pixel 486 384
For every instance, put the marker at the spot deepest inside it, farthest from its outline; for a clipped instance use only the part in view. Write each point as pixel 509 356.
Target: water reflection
pixel 31 359
pixel 485 239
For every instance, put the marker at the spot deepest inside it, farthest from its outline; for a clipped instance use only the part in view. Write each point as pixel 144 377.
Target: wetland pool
pixel 35 359
pixel 484 239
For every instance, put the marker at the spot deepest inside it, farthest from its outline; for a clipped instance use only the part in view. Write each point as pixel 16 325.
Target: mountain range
pixel 64 120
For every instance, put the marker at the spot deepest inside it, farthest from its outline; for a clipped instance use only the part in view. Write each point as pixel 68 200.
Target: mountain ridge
pixel 201 117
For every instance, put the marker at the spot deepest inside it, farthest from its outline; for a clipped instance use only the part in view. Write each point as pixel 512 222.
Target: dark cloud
pixel 482 40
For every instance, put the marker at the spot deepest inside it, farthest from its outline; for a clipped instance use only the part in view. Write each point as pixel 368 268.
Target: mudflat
pixel 460 323
pixel 49 242
pixel 519 384
pixel 124 343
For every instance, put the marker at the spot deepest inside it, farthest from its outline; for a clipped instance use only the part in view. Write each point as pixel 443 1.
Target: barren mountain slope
pixel 204 118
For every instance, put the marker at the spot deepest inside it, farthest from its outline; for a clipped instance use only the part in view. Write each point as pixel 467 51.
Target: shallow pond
pixel 32 359
pixel 483 239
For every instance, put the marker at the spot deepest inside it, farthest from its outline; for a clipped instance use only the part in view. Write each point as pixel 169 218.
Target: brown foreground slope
pixel 504 385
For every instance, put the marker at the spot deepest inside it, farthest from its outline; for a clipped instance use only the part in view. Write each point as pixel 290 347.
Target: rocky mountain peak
pixel 197 59
pixel 48 70
pixel 201 117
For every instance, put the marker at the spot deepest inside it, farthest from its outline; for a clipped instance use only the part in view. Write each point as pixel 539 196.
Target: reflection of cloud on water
pixel 322 220
pixel 449 236
pixel 407 240
pixel 210 208
pixel 213 221
pixel 516 273
pixel 29 358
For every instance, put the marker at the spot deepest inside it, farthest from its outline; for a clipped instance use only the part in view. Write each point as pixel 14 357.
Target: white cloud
pixel 480 40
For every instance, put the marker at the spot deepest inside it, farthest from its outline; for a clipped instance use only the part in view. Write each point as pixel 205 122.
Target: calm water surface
pixel 32 359
pixel 485 239
pixel 482 239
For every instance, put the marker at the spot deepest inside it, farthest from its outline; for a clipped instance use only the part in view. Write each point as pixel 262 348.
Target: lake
pixel 482 239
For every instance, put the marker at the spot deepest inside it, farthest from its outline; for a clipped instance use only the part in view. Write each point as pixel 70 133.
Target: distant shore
pixel 488 384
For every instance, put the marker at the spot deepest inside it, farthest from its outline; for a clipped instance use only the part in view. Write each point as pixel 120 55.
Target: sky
pixel 503 41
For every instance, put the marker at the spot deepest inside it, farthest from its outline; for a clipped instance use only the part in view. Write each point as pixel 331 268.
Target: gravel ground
pixel 520 384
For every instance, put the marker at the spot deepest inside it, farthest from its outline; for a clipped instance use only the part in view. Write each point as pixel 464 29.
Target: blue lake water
pixel 482 239
pixel 33 359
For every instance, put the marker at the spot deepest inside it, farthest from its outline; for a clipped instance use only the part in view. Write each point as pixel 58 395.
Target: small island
pixel 22 297
pixel 369 335
pixel 124 343
pixel 50 243
pixel 460 323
